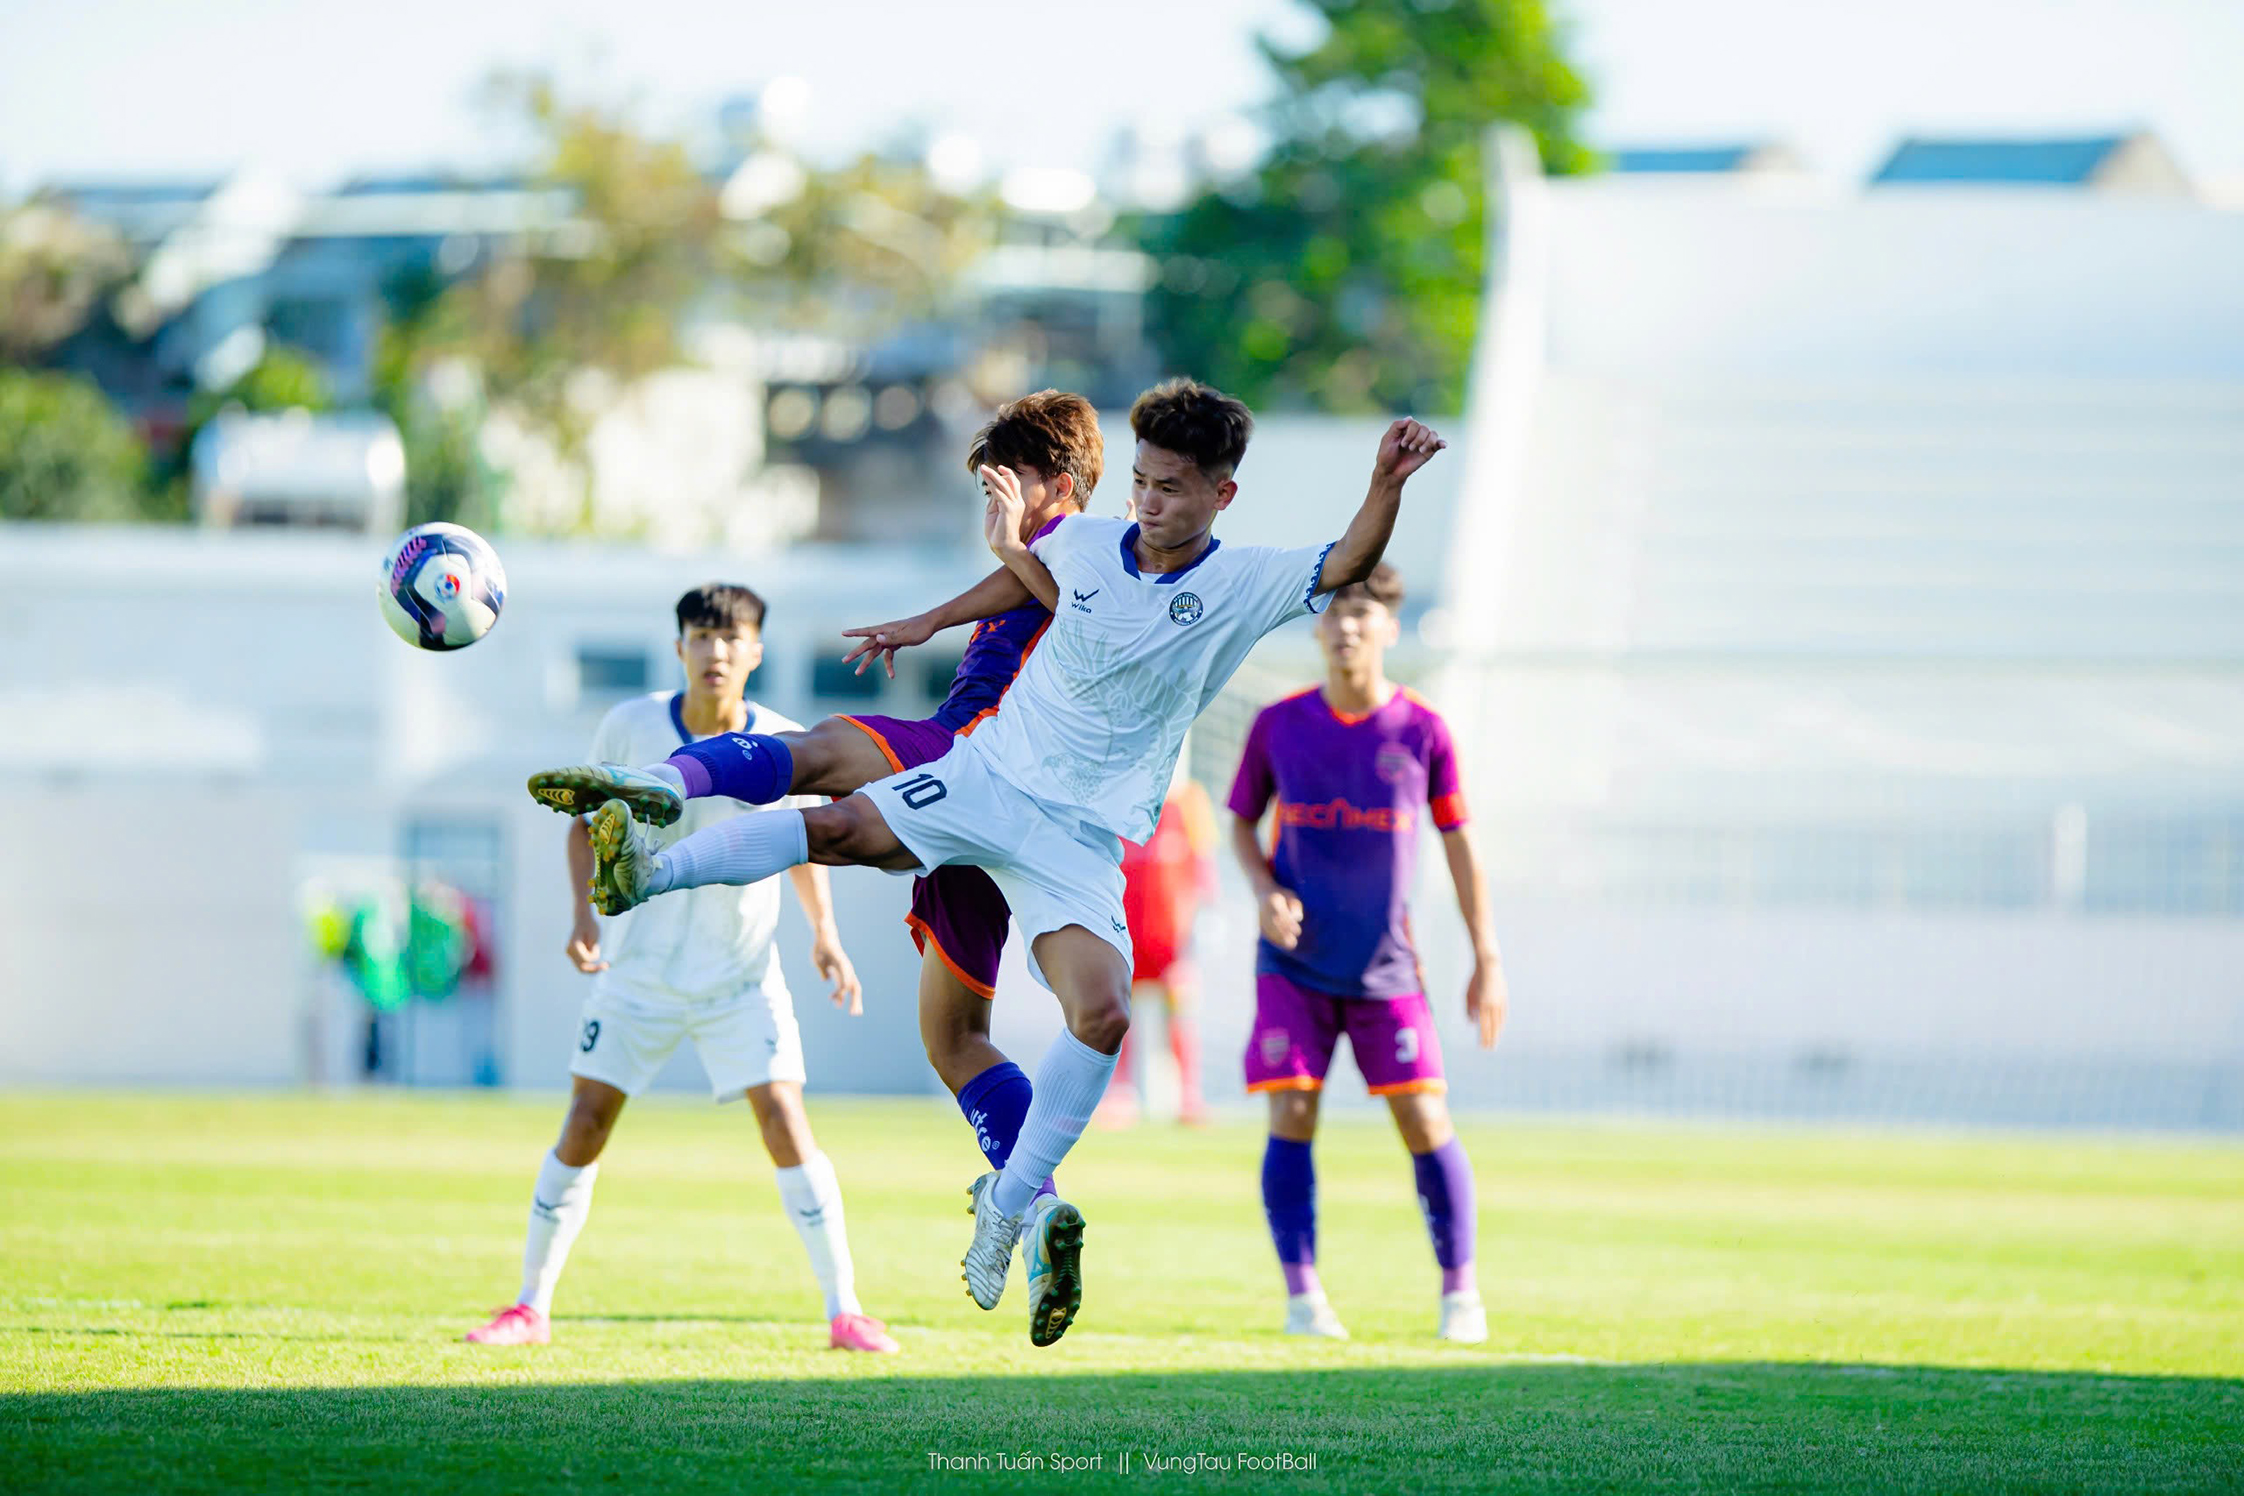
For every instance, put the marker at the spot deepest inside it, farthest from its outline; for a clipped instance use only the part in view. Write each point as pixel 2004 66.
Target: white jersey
pixel 705 942
pixel 1095 719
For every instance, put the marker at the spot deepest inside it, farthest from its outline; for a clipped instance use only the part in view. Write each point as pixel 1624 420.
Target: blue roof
pixel 2053 161
pixel 1691 159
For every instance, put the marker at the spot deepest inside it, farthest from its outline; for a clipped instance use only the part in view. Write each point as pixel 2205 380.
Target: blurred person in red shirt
pixel 1165 883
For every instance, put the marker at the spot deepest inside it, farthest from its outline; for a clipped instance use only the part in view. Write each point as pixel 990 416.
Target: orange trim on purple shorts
pixel 895 764
pixel 924 938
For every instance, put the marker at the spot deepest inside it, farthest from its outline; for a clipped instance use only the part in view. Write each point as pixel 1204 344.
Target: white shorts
pixel 1054 868
pixel 746 1039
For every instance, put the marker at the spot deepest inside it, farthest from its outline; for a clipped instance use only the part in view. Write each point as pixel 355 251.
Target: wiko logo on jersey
pixel 1185 609
pixel 1082 598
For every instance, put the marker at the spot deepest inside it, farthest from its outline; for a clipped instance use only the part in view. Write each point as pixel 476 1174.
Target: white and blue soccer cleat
pixel 581 789
pixel 620 860
pixel 1311 1314
pixel 989 1257
pixel 1052 1256
pixel 1464 1319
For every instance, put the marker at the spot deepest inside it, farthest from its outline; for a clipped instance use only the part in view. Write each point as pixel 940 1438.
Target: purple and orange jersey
pixel 958 910
pixel 1350 793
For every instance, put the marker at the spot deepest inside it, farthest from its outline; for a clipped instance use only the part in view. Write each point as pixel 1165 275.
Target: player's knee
pixel 1293 1115
pixel 1423 1122
pixel 584 1132
pixel 831 831
pixel 1102 1022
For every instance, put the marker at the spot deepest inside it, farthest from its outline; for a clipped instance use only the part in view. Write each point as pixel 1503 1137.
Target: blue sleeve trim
pixel 1309 596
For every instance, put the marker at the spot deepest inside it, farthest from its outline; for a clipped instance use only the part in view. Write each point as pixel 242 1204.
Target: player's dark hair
pixel 1384 586
pixel 720 605
pixel 1191 419
pixel 1051 431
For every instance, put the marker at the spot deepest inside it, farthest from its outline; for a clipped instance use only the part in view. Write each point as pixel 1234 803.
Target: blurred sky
pixel 314 88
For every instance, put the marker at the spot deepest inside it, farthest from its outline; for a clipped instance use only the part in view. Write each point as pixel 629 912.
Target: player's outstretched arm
pixel 1277 909
pixel 1001 528
pixel 999 592
pixel 1487 996
pixel 814 889
pixel 1407 447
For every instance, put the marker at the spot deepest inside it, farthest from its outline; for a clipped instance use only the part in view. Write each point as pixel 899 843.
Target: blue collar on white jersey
pixel 1130 557
pixel 678 716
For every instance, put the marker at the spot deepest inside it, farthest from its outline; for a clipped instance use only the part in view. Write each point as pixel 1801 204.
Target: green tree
pixel 55 268
pixel 65 452
pixel 1347 271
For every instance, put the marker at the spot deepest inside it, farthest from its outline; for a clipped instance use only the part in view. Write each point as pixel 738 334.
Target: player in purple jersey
pixel 1050 442
pixel 1352 767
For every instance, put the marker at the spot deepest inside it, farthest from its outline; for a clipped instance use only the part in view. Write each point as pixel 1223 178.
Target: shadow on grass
pixel 1502 1426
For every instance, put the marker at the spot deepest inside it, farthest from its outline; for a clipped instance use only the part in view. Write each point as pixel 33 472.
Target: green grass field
pixel 229 1294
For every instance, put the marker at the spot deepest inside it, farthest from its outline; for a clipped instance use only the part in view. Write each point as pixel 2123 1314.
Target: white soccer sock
pixel 737 850
pixel 558 1207
pixel 668 773
pixel 1068 1086
pixel 813 1197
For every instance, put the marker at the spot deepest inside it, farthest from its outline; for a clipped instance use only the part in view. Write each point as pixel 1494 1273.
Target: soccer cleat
pixel 860 1332
pixel 517 1324
pixel 1311 1314
pixel 1052 1256
pixel 1464 1318
pixel 581 789
pixel 989 1257
pixel 619 860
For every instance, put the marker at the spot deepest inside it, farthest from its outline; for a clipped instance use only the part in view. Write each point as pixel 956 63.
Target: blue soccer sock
pixel 995 1103
pixel 1289 1202
pixel 750 766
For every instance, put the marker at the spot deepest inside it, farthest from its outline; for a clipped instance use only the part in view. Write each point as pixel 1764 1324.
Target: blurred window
pixel 937 674
pixel 829 677
pixel 611 669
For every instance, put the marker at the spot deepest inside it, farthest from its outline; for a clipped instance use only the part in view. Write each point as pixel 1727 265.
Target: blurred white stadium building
pixel 1839 596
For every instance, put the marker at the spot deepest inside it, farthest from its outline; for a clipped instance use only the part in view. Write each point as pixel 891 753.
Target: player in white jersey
pixel 700 967
pixel 1150 618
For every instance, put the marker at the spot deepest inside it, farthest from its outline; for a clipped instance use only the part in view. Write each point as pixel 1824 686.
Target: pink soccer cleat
pixel 860 1332
pixel 517 1324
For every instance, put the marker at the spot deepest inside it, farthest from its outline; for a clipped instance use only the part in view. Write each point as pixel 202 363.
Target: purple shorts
pixel 956 910
pixel 1296 1031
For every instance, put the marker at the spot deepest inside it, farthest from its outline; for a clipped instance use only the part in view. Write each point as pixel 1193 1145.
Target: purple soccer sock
pixel 1289 1201
pixel 996 1102
pixel 746 766
pixel 1445 1194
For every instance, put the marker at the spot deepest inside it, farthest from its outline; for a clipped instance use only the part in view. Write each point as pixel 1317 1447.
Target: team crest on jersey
pixel 1393 762
pixel 1185 608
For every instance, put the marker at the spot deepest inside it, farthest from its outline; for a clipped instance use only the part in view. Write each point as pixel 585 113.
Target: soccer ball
pixel 441 587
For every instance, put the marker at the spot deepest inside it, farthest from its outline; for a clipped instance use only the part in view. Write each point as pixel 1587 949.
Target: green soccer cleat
pixel 1053 1255
pixel 620 860
pixel 581 789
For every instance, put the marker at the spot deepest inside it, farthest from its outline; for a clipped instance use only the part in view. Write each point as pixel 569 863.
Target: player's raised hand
pixel 1408 446
pixel 1280 916
pixel 1487 1000
pixel 1001 519
pixel 880 641
pixel 833 964
pixel 584 943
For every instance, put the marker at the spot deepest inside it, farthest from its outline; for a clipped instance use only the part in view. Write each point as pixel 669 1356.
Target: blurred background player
pixel 1051 444
pixel 1166 880
pixel 1351 765
pixel 703 968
